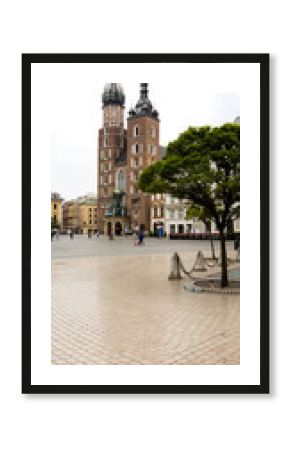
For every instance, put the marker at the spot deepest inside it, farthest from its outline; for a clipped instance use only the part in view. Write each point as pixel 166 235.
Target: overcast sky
pixel 184 94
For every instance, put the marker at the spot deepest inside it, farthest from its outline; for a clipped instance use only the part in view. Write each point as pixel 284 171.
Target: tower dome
pixel 113 93
pixel 143 107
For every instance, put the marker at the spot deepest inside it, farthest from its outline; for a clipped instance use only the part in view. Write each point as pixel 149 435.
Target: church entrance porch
pixel 116 226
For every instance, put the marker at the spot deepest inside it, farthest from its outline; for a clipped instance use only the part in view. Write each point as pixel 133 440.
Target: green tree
pixel 203 166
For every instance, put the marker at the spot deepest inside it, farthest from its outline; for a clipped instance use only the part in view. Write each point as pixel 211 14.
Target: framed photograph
pixel 145 223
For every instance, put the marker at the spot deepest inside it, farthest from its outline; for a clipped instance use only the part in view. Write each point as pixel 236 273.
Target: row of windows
pixel 106 154
pixel 137 131
pixel 138 148
pixel 135 162
pixel 157 212
pixel 106 179
pixel 180 228
pixel 106 167
pixel 120 141
pixel 90 215
pixel 176 214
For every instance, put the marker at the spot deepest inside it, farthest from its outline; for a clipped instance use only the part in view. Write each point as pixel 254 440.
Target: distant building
pixel 71 218
pixel 88 214
pixel 157 216
pixel 237 119
pixel 175 218
pixel 80 215
pixel 56 210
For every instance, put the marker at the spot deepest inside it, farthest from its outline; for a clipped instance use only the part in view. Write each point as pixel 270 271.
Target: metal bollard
pixel 175 268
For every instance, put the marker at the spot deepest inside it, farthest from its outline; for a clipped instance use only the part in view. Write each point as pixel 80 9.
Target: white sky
pixel 184 94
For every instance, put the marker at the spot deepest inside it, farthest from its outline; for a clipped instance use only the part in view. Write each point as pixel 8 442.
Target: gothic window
pixel 136 131
pixel 136 148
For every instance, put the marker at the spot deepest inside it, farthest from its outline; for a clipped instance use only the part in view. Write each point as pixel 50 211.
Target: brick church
pixel 123 152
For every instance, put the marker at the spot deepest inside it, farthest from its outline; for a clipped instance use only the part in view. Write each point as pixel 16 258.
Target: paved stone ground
pixel 113 304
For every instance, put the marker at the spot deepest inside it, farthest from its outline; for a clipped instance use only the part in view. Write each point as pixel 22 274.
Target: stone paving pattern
pixel 113 304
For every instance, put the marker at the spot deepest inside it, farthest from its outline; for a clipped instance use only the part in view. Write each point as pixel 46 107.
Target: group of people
pixel 139 232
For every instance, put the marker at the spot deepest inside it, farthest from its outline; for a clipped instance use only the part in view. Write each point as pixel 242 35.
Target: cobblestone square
pixel 112 303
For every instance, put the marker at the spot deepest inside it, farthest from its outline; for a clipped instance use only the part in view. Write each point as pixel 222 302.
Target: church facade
pixel 124 150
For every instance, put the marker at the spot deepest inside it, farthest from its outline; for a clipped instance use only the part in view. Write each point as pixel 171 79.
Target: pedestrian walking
pixel 140 237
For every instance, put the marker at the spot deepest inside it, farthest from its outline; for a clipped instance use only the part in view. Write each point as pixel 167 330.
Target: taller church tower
pixel 112 151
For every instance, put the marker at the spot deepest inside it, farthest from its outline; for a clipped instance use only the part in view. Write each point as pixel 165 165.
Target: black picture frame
pixel 263 61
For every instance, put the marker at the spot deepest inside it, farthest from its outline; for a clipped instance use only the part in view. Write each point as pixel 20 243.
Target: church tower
pixel 122 155
pixel 111 153
pixel 142 150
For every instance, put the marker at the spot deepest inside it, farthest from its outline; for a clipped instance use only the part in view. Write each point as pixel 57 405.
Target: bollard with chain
pixel 199 265
pixel 175 268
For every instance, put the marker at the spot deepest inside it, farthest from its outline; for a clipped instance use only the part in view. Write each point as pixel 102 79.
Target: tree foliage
pixel 203 166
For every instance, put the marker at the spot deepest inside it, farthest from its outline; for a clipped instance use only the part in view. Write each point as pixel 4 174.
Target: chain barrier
pixel 199 265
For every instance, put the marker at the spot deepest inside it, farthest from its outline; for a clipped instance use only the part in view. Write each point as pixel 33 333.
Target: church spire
pixel 144 106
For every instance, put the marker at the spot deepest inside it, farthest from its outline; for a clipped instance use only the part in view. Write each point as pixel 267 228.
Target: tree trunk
pixel 212 247
pixel 224 275
pixel 208 229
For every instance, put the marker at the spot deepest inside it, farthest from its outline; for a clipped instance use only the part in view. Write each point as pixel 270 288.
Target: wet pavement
pixel 112 303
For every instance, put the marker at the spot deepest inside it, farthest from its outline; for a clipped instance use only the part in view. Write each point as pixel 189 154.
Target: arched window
pixel 136 131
